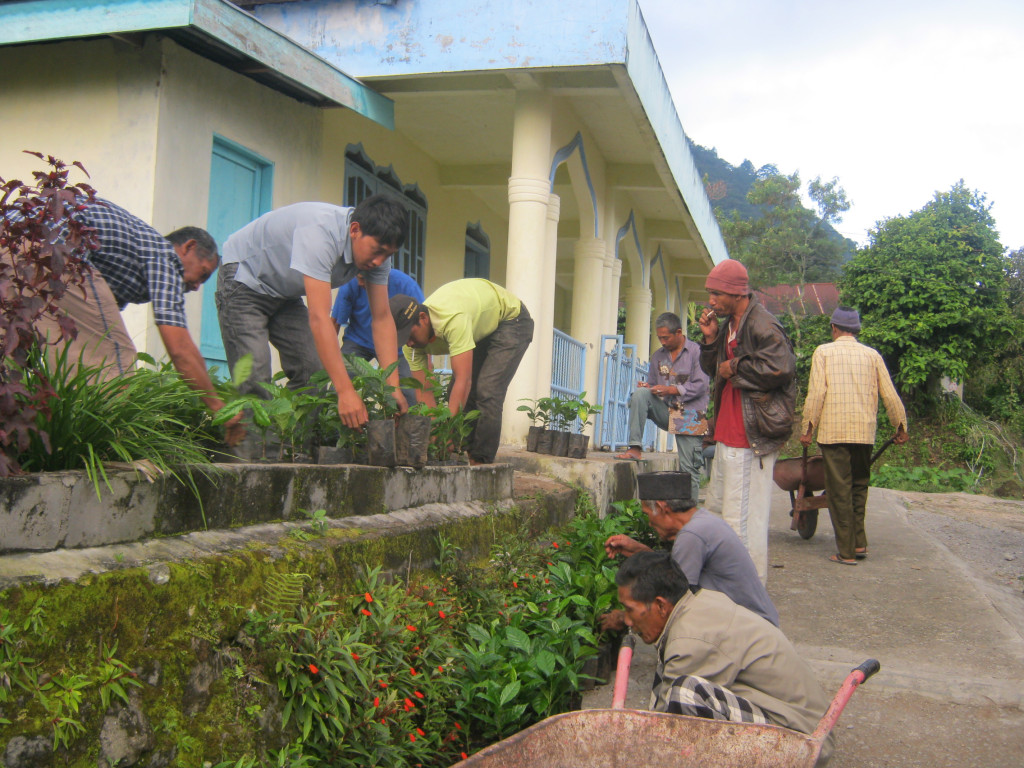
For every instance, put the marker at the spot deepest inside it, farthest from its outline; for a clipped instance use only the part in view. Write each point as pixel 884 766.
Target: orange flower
pixel 457 725
pixel 412 737
pixel 430 603
pixel 420 732
pixel 376 701
pixel 515 585
pixel 554 544
pixel 365 612
pixel 410 627
pixel 417 694
pixel 314 669
pixel 368 597
pixel 382 684
pixel 355 655
pixel 463 755
pixel 440 668
pixel 441 614
pixel 412 671
pixel 408 704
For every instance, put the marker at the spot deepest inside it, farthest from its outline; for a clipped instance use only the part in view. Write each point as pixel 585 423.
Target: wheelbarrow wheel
pixel 807 524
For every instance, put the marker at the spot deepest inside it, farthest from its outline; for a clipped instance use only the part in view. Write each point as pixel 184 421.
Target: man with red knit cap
pixel 751 359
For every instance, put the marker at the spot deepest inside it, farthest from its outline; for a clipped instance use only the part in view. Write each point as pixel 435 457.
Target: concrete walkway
pixel 951 688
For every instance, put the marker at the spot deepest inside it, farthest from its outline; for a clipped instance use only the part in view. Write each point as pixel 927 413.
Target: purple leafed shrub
pixel 41 249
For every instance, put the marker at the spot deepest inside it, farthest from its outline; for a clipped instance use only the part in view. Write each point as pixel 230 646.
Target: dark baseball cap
pixel 406 311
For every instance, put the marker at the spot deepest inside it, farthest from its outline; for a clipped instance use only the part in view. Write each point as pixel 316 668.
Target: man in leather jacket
pixel 752 361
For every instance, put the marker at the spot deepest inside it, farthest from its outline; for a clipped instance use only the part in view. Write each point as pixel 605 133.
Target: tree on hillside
pixel 787 243
pixel 932 290
pixel 1014 268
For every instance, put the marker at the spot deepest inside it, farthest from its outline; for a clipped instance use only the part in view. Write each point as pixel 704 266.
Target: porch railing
pixel 620 371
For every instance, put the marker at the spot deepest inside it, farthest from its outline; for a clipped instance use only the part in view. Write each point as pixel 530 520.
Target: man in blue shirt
pixel 352 310
pixel 674 380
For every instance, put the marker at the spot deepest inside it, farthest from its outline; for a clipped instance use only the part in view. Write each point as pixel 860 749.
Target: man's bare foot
pixel 633 454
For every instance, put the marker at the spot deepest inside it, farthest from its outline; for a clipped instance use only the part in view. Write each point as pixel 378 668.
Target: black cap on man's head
pixel 662 486
pixel 406 311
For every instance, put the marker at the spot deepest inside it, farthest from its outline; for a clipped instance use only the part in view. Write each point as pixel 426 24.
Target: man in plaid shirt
pixel 847 378
pixel 135 264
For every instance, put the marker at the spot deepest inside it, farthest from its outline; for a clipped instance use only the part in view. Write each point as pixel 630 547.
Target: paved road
pixel 949 635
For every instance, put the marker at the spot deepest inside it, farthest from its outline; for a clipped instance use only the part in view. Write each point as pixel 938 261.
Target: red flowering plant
pixel 366 679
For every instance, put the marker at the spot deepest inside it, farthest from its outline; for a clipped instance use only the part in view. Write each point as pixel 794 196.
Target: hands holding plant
pixel 621 544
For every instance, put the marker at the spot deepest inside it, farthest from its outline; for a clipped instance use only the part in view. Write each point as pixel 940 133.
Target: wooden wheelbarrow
pixel 802 477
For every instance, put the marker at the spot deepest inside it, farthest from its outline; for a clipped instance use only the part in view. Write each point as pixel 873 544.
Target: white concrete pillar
pixel 638 319
pixel 545 317
pixel 609 296
pixel 588 310
pixel 528 197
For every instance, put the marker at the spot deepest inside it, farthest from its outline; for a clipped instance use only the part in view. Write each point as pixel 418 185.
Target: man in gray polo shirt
pixel 306 249
pixel 706 548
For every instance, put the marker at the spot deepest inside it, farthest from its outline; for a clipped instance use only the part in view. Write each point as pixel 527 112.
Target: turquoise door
pixel 241 183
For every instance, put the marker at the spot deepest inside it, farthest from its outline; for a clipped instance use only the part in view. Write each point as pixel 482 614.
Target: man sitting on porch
pixel 675 381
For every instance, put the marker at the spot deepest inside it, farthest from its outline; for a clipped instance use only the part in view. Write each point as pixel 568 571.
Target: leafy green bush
pixel 925 479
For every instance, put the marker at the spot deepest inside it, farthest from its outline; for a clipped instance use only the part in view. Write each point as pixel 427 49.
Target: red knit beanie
pixel 730 277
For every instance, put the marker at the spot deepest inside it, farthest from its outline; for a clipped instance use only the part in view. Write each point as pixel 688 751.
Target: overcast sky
pixel 897 98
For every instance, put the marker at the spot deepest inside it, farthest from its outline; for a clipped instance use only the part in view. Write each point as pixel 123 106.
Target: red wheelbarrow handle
pixel 835 709
pixel 622 671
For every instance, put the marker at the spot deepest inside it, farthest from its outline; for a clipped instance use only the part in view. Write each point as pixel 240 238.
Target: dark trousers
pixel 495 361
pixel 847 475
pixel 250 322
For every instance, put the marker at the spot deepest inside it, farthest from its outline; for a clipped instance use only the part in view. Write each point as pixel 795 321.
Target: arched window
pixel 363 178
pixel 478 253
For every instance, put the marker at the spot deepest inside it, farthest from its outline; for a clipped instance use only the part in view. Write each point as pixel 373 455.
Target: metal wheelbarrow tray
pixel 627 738
pixel 802 477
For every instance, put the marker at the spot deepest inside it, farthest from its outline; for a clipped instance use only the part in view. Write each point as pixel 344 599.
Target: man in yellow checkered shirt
pixel 847 378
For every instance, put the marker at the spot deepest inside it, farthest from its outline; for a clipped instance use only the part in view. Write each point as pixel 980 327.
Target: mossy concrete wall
pixel 53 510
pixel 174 608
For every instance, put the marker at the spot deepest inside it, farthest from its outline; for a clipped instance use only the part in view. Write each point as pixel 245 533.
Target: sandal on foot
pixel 860 554
pixel 628 457
pixel 838 559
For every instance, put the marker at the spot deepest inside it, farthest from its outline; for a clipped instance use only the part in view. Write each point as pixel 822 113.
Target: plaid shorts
pixel 695 696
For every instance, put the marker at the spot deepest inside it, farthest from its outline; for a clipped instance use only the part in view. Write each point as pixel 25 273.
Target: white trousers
pixel 740 490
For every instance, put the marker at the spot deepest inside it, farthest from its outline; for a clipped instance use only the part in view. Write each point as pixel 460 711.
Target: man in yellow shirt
pixel 486 330
pixel 847 378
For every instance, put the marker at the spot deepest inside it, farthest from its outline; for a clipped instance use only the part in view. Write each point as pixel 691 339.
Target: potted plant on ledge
pixel 579 442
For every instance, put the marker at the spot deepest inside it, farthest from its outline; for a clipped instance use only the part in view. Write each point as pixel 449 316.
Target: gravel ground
pixel 987 534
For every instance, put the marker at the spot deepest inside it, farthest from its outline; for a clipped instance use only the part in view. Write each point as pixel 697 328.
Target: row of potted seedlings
pixel 304 423
pixel 558 425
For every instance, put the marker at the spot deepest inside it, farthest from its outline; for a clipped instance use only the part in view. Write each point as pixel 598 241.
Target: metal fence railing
pixel 619 374
pixel 568 369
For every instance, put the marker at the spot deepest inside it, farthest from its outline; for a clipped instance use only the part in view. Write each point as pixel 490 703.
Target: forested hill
pixel 728 185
